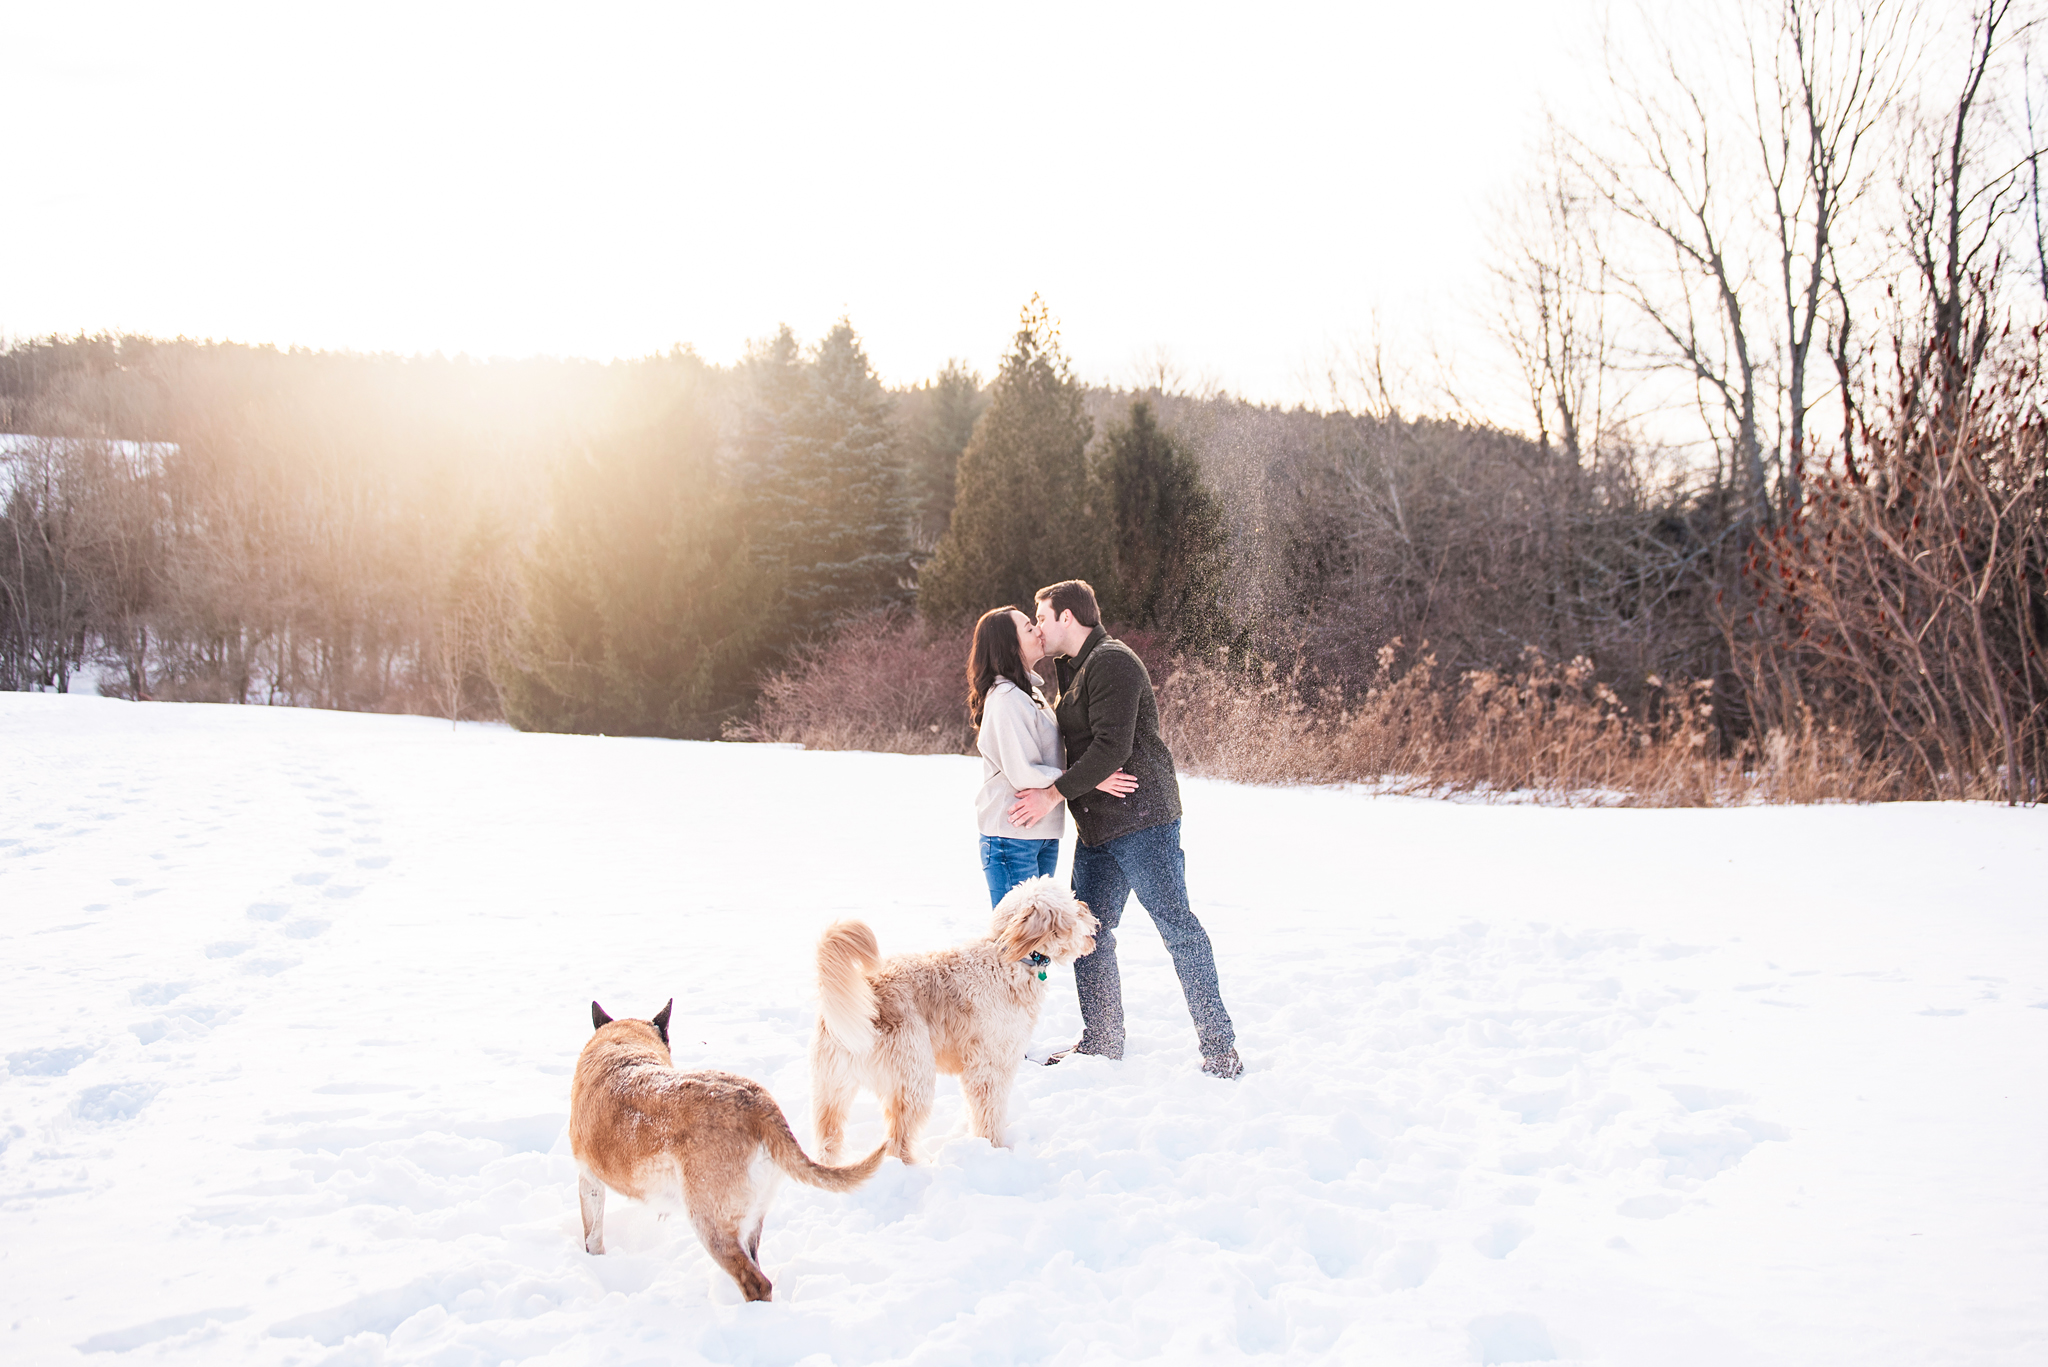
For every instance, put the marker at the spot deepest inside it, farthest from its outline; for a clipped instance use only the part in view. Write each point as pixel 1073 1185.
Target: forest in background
pixel 1777 527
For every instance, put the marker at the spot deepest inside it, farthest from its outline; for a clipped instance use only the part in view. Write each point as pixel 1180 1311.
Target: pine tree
pixel 646 614
pixel 1167 533
pixel 859 555
pixel 1023 516
pixel 952 401
pixel 827 503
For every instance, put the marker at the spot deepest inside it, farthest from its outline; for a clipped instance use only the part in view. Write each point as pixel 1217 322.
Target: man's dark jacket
pixel 1109 721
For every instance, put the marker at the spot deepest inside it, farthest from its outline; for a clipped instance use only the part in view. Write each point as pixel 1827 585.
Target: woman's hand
pixel 1119 784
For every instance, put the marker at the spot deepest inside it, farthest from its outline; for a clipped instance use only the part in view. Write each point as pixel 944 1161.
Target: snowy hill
pixel 290 1001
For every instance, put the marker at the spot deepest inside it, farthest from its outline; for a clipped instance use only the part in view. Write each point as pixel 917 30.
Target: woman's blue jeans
pixel 1008 862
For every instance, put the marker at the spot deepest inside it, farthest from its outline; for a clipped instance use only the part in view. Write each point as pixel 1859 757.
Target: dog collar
pixel 1038 961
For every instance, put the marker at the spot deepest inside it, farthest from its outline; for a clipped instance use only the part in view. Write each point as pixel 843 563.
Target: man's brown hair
pixel 1071 595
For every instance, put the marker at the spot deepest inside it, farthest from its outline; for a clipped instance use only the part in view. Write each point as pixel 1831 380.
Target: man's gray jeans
pixel 1149 863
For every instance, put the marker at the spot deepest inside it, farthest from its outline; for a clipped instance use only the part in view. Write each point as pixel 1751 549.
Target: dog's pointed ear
pixel 598 1018
pixel 661 1020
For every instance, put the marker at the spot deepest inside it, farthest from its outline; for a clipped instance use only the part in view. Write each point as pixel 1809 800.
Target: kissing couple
pixel 1092 747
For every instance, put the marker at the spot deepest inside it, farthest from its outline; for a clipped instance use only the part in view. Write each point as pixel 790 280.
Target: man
pixel 1109 721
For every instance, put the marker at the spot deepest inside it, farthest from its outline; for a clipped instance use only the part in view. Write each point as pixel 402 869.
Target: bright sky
pixel 1244 186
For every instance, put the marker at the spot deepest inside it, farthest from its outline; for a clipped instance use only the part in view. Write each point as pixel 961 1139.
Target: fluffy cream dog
pixel 893 1026
pixel 708 1142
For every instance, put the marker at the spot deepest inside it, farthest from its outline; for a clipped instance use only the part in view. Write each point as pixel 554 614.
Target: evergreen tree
pixel 859 557
pixel 1023 516
pixel 1167 533
pixel 646 613
pixel 951 402
pixel 827 502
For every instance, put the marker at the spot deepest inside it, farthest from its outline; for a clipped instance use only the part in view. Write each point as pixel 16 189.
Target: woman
pixel 1020 748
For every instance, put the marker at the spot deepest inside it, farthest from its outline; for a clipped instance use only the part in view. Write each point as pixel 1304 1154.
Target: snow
pixel 291 999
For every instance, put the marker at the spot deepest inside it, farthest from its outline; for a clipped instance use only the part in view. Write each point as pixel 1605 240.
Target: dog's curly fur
pixel 892 1026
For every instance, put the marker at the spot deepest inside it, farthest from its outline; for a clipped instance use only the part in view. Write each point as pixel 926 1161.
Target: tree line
pixel 622 548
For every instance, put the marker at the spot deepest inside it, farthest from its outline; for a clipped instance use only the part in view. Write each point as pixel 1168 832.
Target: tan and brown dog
pixel 709 1142
pixel 892 1026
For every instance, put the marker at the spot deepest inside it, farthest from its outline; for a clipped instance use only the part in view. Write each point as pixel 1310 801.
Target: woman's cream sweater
pixel 1020 748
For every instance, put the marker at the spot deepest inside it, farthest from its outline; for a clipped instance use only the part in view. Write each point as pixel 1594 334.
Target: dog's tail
pixel 791 1158
pixel 846 999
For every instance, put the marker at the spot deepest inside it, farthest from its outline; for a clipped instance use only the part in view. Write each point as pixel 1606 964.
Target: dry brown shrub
pixel 1540 730
pixel 880 682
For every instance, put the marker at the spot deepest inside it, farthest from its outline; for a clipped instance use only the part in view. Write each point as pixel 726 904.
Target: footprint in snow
pixel 112 1101
pixel 183 1022
pixel 1510 1338
pixel 48 1062
pixel 1406 1265
pixel 142 1335
pixel 1703 1098
pixel 1655 1206
pixel 1503 1237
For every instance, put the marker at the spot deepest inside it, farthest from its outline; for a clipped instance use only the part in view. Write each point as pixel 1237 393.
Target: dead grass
pixel 1540 731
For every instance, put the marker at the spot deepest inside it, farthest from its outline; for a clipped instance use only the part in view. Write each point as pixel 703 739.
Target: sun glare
pixel 1244 195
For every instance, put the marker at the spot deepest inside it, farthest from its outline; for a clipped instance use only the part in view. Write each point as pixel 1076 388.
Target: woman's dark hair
pixel 994 655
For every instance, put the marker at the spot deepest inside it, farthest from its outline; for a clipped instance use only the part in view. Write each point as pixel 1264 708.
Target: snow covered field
pixel 290 1001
